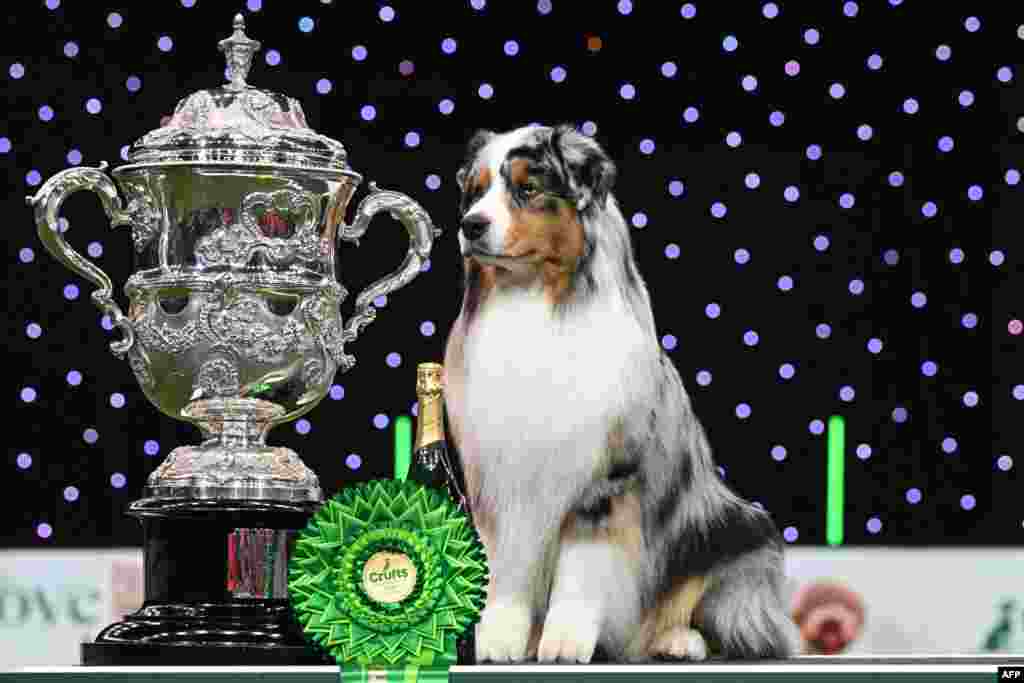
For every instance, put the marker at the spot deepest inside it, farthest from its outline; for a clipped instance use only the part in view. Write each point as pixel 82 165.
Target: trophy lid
pixel 238 124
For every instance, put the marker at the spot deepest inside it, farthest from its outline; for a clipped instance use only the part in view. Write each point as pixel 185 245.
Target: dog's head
pixel 525 195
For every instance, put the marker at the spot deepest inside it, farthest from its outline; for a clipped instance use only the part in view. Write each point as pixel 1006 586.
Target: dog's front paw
pixel 570 633
pixel 680 642
pixel 503 633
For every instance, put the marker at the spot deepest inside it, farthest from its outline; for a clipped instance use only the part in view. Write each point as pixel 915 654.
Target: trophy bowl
pixel 235 207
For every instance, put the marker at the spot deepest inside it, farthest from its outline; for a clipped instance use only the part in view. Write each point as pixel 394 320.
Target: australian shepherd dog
pixel 589 476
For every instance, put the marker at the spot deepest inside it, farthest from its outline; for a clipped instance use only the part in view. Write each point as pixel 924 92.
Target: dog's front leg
pixel 517 563
pixel 573 621
pixel 504 631
pixel 589 576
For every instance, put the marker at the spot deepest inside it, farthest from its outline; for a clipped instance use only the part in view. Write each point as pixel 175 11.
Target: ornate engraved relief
pixel 241 326
pixel 166 338
pixel 322 316
pixel 140 366
pixel 235 244
pixel 217 377
pixel 238 320
pixel 313 372
pixel 140 213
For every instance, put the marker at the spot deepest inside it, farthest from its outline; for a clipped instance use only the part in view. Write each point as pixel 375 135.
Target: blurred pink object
pixel 127 587
pixel 830 616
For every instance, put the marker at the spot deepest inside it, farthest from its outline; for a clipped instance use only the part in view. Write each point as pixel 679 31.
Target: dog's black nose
pixel 474 226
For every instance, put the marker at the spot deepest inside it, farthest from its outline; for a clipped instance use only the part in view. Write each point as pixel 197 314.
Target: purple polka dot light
pixel 823 207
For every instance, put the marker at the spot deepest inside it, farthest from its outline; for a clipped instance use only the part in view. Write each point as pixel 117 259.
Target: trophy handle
pixel 421 239
pixel 47 202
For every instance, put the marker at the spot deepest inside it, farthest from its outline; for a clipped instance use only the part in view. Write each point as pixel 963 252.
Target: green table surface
pixel 849 669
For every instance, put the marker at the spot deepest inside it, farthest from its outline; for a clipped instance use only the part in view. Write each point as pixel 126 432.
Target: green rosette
pixel 388 574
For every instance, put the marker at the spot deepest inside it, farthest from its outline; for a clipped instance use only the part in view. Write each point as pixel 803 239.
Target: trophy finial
pixel 238 50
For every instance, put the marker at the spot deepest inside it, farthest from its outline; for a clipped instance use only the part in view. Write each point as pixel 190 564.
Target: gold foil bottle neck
pixel 429 379
pixel 430 413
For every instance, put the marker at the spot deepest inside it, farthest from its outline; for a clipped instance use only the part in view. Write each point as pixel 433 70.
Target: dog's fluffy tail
pixel 743 614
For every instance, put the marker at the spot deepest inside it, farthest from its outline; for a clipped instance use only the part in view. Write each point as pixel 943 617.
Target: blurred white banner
pixel 927 600
pixel 51 601
pixel 920 601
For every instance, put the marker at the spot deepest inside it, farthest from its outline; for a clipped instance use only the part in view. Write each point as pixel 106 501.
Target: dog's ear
pixel 477 142
pixel 591 171
pixel 473 147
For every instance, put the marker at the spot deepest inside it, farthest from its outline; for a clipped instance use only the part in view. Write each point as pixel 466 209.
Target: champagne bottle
pixel 431 464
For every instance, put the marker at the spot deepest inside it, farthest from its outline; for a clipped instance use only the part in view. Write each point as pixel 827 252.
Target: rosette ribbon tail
pixel 411 673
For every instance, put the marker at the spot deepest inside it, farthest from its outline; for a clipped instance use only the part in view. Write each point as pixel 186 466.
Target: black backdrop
pixel 963 259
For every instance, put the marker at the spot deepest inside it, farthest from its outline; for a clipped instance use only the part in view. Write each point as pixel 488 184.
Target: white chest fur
pixel 539 394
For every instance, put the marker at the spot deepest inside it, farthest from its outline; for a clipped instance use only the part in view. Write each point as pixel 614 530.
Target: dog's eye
pixel 530 188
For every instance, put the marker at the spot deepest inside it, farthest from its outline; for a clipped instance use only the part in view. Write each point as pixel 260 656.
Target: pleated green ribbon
pixel 385 577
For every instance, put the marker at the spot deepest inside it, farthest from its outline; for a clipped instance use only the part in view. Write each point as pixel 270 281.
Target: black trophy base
pixel 151 654
pixel 189 616
pixel 231 634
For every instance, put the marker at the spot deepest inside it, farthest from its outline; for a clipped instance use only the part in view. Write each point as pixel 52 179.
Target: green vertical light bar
pixel 834 494
pixel 403 446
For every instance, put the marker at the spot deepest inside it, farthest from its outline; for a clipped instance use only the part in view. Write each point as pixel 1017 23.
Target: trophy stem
pixel 233 423
pixel 234 461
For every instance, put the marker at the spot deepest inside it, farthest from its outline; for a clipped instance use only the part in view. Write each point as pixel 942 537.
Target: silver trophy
pixel 236 206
